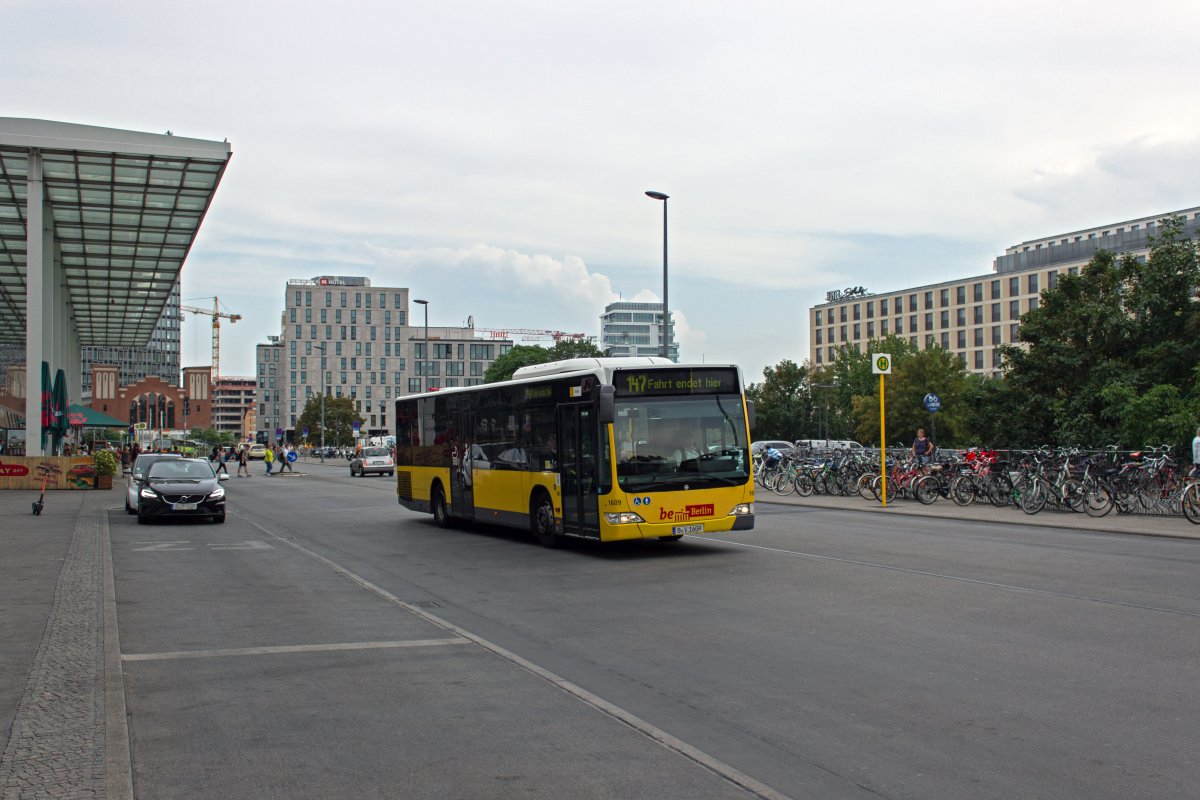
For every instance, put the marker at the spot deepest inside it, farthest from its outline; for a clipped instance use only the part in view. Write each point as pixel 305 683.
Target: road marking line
pixel 290 648
pixel 653 732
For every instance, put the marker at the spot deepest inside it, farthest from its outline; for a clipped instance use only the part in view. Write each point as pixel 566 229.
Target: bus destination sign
pixel 641 383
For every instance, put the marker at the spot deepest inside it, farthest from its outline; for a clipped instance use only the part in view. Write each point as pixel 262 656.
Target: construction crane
pixel 216 313
pixel 532 334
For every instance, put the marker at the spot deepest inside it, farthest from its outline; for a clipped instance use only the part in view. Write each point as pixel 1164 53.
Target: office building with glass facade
pixel 973 316
pixel 635 329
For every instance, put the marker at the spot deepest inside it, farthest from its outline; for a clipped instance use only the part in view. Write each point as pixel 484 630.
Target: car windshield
pixel 177 469
pixel 665 443
pixel 371 452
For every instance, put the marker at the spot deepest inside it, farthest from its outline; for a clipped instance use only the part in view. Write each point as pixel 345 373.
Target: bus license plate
pixel 678 529
pixel 185 506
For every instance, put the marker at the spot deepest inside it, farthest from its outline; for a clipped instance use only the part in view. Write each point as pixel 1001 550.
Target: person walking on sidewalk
pixel 243 464
pixel 268 458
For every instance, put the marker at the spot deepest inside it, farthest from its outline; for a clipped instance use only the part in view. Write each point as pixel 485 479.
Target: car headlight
pixel 742 510
pixel 217 493
pixel 623 518
pixel 148 492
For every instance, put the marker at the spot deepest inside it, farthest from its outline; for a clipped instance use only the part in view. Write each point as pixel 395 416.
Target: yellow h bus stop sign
pixel 881 364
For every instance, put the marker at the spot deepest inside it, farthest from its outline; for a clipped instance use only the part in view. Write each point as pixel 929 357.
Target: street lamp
pixel 665 329
pixel 321 347
pixel 425 348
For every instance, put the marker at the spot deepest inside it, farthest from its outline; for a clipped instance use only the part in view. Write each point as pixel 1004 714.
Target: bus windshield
pixel 677 442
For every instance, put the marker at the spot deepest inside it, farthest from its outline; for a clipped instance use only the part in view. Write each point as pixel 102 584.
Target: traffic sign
pixel 933 403
pixel 881 364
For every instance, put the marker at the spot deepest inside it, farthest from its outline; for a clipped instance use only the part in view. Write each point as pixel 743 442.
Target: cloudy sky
pixel 493 156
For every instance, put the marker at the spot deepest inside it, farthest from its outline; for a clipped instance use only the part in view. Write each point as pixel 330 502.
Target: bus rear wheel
pixel 542 522
pixel 441 514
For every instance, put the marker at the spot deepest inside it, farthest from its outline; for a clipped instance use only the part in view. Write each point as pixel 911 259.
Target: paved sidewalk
pixel 1141 524
pixel 59 727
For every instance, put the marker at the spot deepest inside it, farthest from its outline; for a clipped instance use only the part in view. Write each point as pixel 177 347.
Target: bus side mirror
pixel 605 403
pixel 750 415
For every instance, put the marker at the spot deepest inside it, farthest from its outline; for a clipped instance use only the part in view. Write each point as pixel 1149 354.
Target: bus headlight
pixel 742 510
pixel 623 518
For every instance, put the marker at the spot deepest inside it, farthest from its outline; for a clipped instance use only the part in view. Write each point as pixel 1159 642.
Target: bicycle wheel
pixel 1190 501
pixel 999 489
pixel 892 489
pixel 1074 497
pixel 782 483
pixel 961 490
pixel 803 484
pixel 866 488
pixel 1034 496
pixel 927 489
pixel 1098 500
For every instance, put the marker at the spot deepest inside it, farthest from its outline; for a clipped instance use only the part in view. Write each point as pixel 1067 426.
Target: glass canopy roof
pixel 125 209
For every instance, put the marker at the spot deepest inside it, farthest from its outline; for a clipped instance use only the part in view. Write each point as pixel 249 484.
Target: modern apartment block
pixel 232 398
pixel 973 316
pixel 159 358
pixel 635 329
pixel 347 338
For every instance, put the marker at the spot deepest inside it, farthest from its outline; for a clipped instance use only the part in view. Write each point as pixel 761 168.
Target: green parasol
pixel 58 406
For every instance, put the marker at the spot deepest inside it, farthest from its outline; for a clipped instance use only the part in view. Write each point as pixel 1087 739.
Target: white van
pixel 828 444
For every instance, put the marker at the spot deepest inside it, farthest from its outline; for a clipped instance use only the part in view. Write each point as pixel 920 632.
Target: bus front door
pixel 578 467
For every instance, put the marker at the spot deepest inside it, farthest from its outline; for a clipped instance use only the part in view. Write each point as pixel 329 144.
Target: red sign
pixel 699 511
pixel 13 470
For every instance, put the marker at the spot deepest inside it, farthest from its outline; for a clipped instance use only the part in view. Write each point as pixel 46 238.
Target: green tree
pixel 340 414
pixel 783 402
pixel 988 404
pixel 850 376
pixel 1119 340
pixel 523 355
pixel 914 375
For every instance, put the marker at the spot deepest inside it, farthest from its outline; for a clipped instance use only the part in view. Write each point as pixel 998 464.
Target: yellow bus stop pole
pixel 882 441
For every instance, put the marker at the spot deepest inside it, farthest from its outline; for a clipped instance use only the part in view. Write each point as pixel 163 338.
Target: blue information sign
pixel 933 403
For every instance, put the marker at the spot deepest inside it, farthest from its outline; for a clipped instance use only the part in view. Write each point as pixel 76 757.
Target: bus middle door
pixel 578 467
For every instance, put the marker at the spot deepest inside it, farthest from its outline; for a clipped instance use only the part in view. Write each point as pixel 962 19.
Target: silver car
pixel 373 459
pixel 137 477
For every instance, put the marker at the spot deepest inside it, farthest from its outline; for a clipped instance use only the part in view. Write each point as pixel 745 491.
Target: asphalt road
pixel 325 642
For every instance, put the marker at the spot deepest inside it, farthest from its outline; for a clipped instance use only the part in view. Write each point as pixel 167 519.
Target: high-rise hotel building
pixel 347 338
pixel 972 316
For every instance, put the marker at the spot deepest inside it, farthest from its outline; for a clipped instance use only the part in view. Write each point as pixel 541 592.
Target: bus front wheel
pixel 542 521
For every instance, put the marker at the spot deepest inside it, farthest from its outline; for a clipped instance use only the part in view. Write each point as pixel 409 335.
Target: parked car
pixel 137 477
pixel 258 451
pixel 182 487
pixel 373 459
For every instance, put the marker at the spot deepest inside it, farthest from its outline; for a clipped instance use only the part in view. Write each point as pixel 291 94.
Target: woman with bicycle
pixel 922 448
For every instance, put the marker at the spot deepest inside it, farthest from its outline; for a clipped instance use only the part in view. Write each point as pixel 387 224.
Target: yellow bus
pixel 598 448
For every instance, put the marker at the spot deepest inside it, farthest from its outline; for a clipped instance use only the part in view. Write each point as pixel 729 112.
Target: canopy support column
pixel 38 283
